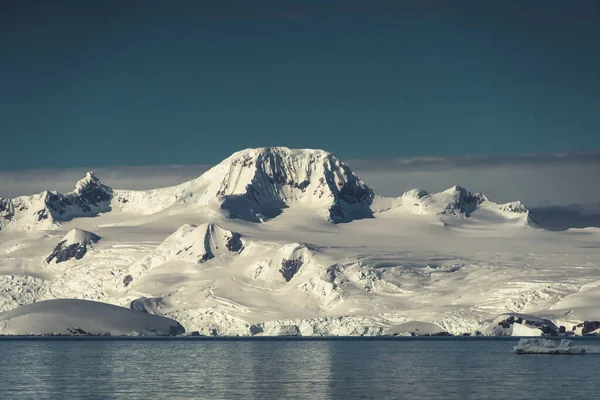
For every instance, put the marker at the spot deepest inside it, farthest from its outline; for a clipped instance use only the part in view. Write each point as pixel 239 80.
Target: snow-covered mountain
pixel 459 202
pixel 253 185
pixel 42 211
pixel 257 184
pixel 276 241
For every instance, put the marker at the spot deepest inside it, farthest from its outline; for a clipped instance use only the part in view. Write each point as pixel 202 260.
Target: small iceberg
pixel 546 346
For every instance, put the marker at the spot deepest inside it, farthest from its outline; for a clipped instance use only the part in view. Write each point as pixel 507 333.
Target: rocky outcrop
pixel 520 325
pixel 462 201
pixel 74 245
pixel 587 328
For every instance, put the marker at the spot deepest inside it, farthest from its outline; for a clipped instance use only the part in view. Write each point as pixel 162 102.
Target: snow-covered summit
pixel 274 178
pixel 79 236
pixel 73 245
pixel 201 243
pixel 257 184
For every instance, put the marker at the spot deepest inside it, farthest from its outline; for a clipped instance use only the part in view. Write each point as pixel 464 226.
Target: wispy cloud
pixel 478 161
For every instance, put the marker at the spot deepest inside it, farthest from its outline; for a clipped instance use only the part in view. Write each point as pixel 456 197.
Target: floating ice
pixel 546 346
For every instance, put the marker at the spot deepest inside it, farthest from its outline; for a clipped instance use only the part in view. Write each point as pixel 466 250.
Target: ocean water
pixel 444 368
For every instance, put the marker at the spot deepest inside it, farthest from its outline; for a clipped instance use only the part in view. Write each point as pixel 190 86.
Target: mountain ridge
pixel 253 185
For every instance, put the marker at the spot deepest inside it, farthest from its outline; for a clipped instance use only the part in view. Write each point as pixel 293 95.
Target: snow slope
pixel 81 317
pixel 291 242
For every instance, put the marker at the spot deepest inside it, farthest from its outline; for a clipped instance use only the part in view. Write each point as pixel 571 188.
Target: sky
pixel 145 83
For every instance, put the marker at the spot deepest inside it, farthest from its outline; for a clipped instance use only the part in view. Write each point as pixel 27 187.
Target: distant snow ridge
pixel 73 245
pixel 89 198
pixel 459 202
pixel 253 185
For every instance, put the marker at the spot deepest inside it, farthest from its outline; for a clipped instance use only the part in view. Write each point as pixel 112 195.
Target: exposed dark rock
pixel 353 193
pixel 177 329
pixel 562 330
pixel 336 212
pixel 464 202
pixel 42 214
pixel 78 331
pixel 148 305
pixel 443 333
pixel 234 243
pixel 289 268
pixel 64 253
pixel 546 326
pixel 90 195
pixel 256 329
pixel 127 280
pixel 6 209
pixel 590 326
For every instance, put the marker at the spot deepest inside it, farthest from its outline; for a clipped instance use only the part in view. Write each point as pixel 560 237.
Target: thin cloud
pixel 478 161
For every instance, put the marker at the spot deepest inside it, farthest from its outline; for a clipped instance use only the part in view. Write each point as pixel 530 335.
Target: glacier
pixel 276 241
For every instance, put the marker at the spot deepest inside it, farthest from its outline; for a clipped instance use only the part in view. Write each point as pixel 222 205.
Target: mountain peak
pixel 283 151
pixel 456 189
pixel 80 236
pixel 201 243
pixel 73 246
pixel 90 180
pixel 267 180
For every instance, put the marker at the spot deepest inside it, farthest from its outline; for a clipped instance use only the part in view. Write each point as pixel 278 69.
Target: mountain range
pixel 274 241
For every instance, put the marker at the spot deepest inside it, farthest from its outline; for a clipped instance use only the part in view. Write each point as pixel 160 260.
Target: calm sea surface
pixel 290 369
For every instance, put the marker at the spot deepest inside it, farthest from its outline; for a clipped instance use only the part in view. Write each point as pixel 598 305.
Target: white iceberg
pixel 546 346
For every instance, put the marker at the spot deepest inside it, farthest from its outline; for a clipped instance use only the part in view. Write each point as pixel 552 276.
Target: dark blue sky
pixel 104 83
